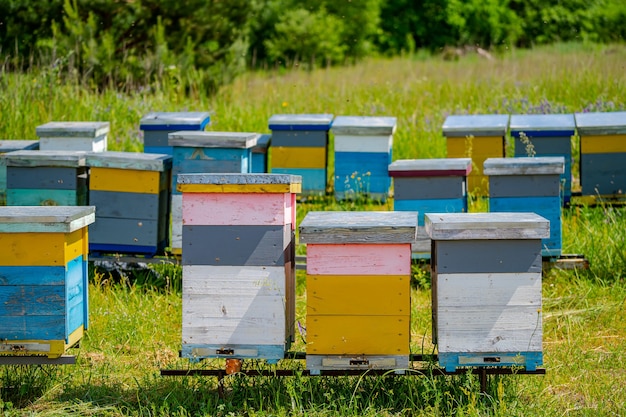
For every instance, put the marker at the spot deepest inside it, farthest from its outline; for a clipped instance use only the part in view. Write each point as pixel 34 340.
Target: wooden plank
pixel 126 180
pixel 376 295
pixel 72 129
pixel 300 121
pixel 533 124
pixel 45 219
pixel 461 226
pixel 298 157
pixel 31 275
pixel 358 227
pixel 363 125
pixel 361 143
pixel 239 183
pixel 496 256
pixel 475 147
pixel 603 174
pixel 31 300
pixel 545 146
pixel 133 232
pixel 50 178
pixel 98 144
pixel 362 174
pixel 133 161
pixel 41 249
pixel 177 222
pixel 601 123
pixel 300 138
pixel 359 259
pixel 25 328
pixel 157 139
pixel 204 139
pixel 530 185
pixel 358 335
pixel 476 124
pixel 356 362
pixel 45 197
pixel 542 165
pixel 429 188
pixel 236 245
pixel 33 158
pixel 437 167
pixel 122 205
pixel 314 180
pixel 210 160
pixel 237 209
pixel 603 144
pixel 175 120
pixel 270 353
pixel 447 205
pixel 491 360
pixel 12 145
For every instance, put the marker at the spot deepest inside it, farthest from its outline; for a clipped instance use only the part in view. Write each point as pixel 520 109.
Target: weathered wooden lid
pixel 72 129
pixel 601 123
pixel 300 121
pixel 476 125
pixel 174 120
pixel 31 158
pixel 542 124
pixel 480 226
pixel 359 227
pixel 239 183
pixel 45 219
pixel 262 144
pixel 437 167
pixel 18 145
pixel 203 139
pixel 543 165
pixel 129 160
pixel 364 125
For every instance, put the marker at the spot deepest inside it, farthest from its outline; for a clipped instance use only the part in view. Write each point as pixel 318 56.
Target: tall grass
pixel 135 324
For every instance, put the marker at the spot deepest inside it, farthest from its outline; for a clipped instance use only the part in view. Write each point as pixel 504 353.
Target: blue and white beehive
pixel 486 271
pixel 157 125
pixel 205 152
pixel 429 186
pixel 529 185
pixel 73 136
pixel 363 152
pixel 300 147
pixel 546 135
pixel 11 146
pixel 131 193
pixel 46 178
pixel 43 284
pixel 602 154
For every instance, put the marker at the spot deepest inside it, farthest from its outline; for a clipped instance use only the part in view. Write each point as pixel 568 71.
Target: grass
pixel 135 323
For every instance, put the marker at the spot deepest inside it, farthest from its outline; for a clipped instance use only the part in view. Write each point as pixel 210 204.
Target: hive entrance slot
pixel 491 359
pixel 359 362
pixel 225 351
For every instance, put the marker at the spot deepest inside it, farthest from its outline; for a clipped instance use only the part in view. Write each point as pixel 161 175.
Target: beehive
pixel 205 152
pixel 300 147
pixel 477 137
pixel 429 186
pixel 602 154
pixel 238 264
pixel 11 146
pixel 358 289
pixel 131 193
pixel 546 135
pixel 73 136
pixel 486 288
pixel 43 285
pixel 157 125
pixel 259 154
pixel 529 185
pixel 46 178
pixel 363 152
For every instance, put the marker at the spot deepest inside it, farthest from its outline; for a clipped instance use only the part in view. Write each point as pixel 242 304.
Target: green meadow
pixel 135 318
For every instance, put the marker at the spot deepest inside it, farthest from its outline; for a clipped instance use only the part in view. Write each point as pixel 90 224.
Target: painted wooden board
pixel 601 123
pixel 364 125
pixel 234 305
pixel 42 248
pixel 45 197
pixel 300 122
pixel 50 178
pixel 176 234
pixel 529 185
pixel 542 165
pixel 122 205
pixel 157 139
pixel 41 158
pixel 11 145
pixel 545 146
pixel 603 174
pixel 476 124
pixel 72 130
pixel 45 219
pixel 239 183
pixel 128 180
pixel 437 167
pixel 134 161
pixel 135 232
pixel 314 180
pixel 204 139
pixel 210 160
pixel 603 144
pixel 259 158
pixel 175 120
pixel 249 245
pixel 367 227
pixel 53 349
pixel 429 188
pixel 537 125
pixel 496 256
pixel 300 138
pixel 366 295
pixel 361 143
pixel 509 322
pixel 317 363
pixel 440 205
pixel 362 174
pixel 463 226
pixel 453 360
pixel 164 150
pixel 476 147
pixel 357 335
pixel 298 157
pixel 98 144
pixel 358 259
pixel 237 209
